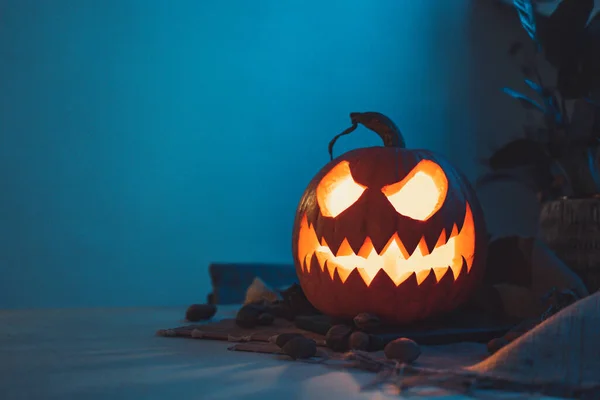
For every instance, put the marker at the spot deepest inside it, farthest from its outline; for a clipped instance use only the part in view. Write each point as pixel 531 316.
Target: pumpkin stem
pixel 381 125
pixel 378 123
pixel 336 137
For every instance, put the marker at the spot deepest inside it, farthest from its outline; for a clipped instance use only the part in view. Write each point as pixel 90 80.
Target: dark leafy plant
pixel 569 40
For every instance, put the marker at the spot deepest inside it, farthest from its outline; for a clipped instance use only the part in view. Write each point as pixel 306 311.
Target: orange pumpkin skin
pixel 371 222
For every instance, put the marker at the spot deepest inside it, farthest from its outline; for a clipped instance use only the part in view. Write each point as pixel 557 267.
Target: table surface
pixel 114 354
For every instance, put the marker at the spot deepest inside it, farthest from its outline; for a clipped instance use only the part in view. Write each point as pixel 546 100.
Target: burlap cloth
pixel 563 349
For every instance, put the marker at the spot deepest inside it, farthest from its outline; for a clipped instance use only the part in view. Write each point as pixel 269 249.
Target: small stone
pixel 366 321
pixel 337 338
pixel 281 339
pixel 247 316
pixel 359 341
pixel 496 344
pixel 200 312
pixel 403 350
pixel 265 319
pixel 300 347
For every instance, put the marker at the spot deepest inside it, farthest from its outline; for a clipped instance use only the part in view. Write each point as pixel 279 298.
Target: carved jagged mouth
pixel 446 257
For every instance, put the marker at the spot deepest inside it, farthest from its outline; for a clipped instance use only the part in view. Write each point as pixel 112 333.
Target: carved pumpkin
pixel 390 231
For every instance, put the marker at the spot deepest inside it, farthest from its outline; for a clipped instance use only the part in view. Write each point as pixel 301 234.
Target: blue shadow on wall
pixel 141 140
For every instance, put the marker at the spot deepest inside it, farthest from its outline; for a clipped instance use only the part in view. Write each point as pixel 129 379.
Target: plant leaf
pixel 525 101
pixel 527 17
pixel 535 86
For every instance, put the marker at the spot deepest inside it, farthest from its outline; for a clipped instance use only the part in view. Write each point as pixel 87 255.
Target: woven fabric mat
pixel 226 329
pixel 256 340
pixel 560 357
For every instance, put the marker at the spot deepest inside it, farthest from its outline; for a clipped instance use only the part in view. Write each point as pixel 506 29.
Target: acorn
pixel 300 347
pixel 359 341
pixel 248 315
pixel 366 321
pixel 403 350
pixel 337 338
pixel 265 319
pixel 200 312
pixel 281 339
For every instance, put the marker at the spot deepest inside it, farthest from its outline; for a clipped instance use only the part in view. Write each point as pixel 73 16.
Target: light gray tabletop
pixel 113 354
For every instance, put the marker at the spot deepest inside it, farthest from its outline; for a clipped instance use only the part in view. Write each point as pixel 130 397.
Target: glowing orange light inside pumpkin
pixel 337 190
pixel 421 193
pixel 398 264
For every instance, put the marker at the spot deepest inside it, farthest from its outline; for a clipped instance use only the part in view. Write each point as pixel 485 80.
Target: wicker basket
pixel 571 228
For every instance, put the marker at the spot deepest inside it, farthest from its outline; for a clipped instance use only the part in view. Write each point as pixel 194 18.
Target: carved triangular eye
pixel 421 193
pixel 337 190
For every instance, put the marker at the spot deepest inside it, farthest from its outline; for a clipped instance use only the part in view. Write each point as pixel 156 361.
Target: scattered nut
pixel 247 316
pixel 496 344
pixel 366 321
pixel 403 350
pixel 359 341
pixel 337 337
pixel 281 339
pixel 265 319
pixel 300 347
pixel 200 312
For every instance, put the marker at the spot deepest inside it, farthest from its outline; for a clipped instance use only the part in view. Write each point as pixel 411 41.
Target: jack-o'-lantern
pixel 390 231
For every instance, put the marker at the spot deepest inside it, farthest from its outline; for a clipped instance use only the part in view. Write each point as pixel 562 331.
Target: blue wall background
pixel 142 139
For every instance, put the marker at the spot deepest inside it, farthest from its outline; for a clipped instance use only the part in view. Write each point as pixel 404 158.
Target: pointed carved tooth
pixel 462 218
pixel 402 278
pixel 395 245
pixel 440 272
pixel 454 231
pixel 367 278
pixel 422 275
pixel 307 241
pixel 330 267
pixel 344 273
pixel 366 249
pixel 324 242
pixel 423 246
pixel 410 247
pixel 345 249
pixel 322 257
pixel 456 269
pixel 442 240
